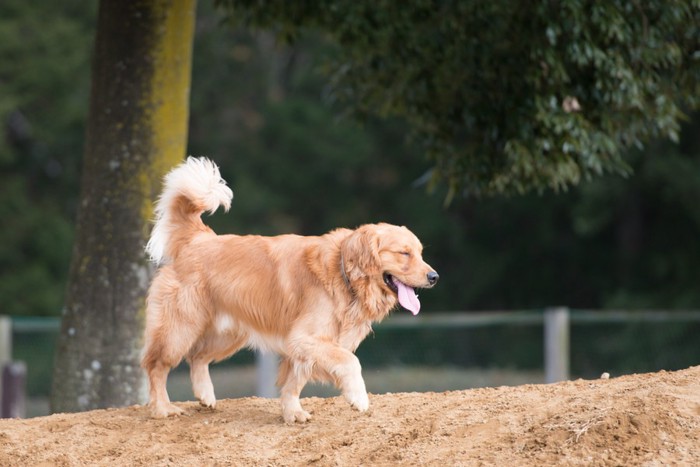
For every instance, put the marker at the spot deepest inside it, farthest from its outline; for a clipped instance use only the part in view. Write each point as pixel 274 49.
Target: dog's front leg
pixel 341 364
pixel 349 375
pixel 291 380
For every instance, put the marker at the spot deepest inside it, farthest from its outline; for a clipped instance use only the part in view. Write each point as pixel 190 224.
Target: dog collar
pixel 344 274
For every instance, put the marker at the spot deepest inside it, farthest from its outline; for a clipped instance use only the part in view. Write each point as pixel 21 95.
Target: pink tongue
pixel 407 297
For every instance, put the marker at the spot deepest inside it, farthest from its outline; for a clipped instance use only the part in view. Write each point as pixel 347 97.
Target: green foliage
pixel 610 243
pixel 295 165
pixel 44 73
pixel 508 96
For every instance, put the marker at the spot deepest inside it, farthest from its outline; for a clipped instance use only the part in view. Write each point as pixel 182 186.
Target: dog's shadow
pixel 253 417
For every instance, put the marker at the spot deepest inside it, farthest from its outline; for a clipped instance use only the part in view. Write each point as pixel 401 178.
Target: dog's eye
pixel 405 253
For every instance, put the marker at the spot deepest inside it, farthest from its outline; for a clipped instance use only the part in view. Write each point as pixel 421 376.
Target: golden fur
pixel 312 299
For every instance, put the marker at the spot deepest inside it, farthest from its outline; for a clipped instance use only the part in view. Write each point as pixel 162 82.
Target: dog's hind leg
pixel 202 387
pixel 160 404
pixel 169 337
pixel 207 350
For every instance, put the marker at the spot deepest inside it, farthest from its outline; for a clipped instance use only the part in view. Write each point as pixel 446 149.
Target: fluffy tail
pixel 189 189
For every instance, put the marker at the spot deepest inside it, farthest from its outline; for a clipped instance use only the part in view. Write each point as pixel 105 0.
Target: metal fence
pixel 559 342
pixel 556 322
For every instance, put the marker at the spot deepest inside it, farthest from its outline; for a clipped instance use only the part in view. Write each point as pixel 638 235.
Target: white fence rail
pixel 556 322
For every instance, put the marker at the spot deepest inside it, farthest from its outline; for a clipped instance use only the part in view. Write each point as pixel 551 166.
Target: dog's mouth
pixel 406 294
pixel 389 281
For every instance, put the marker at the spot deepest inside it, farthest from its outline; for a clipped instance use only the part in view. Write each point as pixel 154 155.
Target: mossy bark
pixel 137 130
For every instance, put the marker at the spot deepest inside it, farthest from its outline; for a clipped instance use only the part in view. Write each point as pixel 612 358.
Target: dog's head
pixel 390 257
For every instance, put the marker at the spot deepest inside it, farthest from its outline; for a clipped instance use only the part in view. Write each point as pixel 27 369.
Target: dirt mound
pixel 649 419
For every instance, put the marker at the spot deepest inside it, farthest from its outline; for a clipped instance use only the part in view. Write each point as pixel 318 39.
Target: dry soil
pixel 647 419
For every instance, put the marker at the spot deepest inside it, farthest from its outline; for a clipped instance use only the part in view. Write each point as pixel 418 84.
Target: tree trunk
pixel 137 130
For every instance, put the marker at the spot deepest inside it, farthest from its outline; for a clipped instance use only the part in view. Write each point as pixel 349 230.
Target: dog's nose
pixel 433 277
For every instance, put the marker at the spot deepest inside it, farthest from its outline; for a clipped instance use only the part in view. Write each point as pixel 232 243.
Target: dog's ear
pixel 360 252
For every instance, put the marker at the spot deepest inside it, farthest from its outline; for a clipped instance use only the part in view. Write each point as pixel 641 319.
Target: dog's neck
pixel 367 297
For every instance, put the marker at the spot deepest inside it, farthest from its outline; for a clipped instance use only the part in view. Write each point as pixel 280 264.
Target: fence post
pixel 556 344
pixel 5 340
pixel 266 364
pixel 5 344
pixel 14 379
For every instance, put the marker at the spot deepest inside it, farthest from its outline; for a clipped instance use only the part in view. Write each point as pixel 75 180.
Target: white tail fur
pixel 198 180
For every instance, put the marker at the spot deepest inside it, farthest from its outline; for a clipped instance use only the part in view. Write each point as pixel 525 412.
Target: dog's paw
pixel 208 401
pixel 204 392
pixel 165 410
pixel 292 411
pixel 300 415
pixel 356 394
pixel 358 400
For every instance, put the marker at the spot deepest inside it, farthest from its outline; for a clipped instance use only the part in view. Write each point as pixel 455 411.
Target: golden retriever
pixel 311 299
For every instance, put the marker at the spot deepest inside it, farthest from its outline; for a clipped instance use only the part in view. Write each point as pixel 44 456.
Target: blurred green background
pixel 297 164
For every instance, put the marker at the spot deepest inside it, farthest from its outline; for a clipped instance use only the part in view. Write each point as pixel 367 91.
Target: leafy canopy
pixel 44 87
pixel 508 96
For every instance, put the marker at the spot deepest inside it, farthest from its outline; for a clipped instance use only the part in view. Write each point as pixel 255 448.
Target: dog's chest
pixel 351 336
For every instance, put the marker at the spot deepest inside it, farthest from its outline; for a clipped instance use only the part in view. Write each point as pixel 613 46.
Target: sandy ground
pixel 649 419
